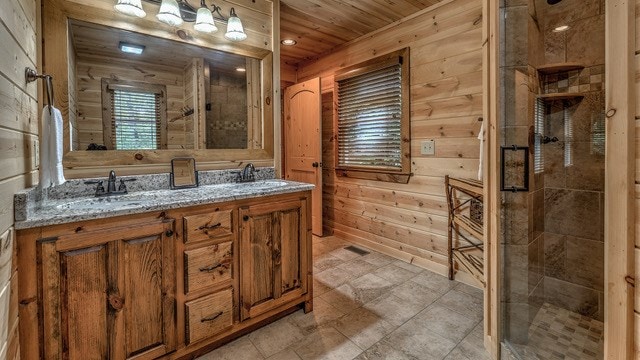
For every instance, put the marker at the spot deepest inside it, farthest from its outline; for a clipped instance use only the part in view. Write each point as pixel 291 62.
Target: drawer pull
pixel 211 267
pixel 206 227
pixel 211 318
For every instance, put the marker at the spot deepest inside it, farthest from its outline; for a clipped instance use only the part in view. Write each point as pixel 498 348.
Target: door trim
pixel 619 206
pixel 491 176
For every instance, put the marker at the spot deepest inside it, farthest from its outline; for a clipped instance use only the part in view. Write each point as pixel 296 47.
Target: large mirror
pixel 131 91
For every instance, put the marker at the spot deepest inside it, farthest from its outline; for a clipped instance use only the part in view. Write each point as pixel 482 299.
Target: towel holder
pixel 31 75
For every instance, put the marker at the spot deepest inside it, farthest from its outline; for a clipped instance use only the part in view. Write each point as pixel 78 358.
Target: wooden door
pixel 109 294
pixel 272 253
pixel 303 141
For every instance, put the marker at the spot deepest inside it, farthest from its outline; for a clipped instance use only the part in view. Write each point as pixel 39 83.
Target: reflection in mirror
pixel 132 91
pixel 183 173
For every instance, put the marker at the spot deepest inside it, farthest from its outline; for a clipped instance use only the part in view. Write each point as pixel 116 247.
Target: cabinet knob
pixel 169 233
pixel 245 218
pixel 315 164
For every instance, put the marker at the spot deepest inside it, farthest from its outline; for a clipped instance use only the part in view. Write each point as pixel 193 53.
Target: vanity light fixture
pixel 561 28
pixel 175 12
pixel 204 19
pixel 130 48
pixel 288 42
pixel 170 13
pixel 241 69
pixel 235 31
pixel 131 8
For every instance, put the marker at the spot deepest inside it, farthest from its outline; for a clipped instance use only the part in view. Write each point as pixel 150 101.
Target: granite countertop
pixel 73 209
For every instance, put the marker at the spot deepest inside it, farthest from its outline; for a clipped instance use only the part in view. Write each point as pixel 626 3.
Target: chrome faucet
pixel 111 185
pixel 247 174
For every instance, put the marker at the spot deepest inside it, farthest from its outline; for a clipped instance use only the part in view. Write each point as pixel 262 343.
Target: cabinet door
pixel 272 249
pixel 109 294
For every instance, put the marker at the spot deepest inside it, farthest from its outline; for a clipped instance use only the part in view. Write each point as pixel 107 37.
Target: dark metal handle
pixel 315 164
pixel 203 227
pixel 169 233
pixel 212 317
pixel 211 267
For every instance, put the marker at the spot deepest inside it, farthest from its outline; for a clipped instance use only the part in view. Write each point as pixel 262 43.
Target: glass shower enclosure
pixel 552 144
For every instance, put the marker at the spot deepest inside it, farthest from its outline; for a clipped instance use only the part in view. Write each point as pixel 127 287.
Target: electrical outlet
pixel 428 147
pixel 36 154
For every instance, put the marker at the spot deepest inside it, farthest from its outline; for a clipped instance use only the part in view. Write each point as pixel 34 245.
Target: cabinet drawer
pixel 209 315
pixel 207 226
pixel 207 266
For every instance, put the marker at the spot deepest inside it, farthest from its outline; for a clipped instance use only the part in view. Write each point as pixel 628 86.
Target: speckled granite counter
pixel 57 209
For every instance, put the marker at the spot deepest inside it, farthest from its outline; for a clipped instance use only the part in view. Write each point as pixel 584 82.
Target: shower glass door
pixel 553 137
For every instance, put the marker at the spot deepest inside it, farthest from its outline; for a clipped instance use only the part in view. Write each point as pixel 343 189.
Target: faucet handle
pixel 99 188
pixel 122 186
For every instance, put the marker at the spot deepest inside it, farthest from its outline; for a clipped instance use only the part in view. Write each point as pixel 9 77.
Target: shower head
pixel 553 2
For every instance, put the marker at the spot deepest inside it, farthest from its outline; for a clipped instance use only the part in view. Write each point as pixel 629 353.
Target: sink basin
pixel 97 203
pixel 270 183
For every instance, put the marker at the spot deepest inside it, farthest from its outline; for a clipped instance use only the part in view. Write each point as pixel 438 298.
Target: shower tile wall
pixel 573 198
pixel 227 117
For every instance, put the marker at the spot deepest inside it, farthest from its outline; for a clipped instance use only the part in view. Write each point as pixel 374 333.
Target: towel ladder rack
pixel 31 75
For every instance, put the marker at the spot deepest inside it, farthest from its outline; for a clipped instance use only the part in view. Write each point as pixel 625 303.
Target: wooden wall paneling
pixel 619 178
pixel 409 220
pixel 491 176
pixel 91 70
pixel 254 105
pixel 637 180
pixel 19 125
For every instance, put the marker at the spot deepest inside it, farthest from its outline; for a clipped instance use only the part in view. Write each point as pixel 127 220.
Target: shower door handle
pixel 508 159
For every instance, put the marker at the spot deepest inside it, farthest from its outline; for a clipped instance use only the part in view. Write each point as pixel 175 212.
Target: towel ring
pixel 31 75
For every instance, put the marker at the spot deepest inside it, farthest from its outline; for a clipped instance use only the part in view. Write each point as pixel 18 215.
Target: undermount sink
pixel 271 182
pixel 98 202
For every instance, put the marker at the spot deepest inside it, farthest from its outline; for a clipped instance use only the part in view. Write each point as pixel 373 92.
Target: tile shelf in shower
pixel 561 96
pixel 550 69
pixel 468 250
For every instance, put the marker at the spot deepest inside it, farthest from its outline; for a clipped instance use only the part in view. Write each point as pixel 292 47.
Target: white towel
pixel 51 172
pixel 481 138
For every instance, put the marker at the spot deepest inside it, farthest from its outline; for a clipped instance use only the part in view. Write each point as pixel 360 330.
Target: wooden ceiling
pixel 92 40
pixel 321 25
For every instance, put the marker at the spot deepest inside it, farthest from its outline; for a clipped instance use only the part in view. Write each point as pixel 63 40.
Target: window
pixel 372 119
pixel 134 115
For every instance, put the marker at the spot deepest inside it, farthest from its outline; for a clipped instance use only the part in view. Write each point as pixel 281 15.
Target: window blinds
pixel 135 119
pixel 369 119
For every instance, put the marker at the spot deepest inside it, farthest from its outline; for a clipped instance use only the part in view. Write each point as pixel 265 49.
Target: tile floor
pixel 557 333
pixel 371 307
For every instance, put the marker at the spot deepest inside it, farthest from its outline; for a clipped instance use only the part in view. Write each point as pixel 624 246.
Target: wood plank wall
pixel 18 131
pixel 637 250
pixel 410 221
pixel 91 70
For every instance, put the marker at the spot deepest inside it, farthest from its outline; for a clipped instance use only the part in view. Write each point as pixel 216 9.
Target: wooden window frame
pixel 108 85
pixel 371 173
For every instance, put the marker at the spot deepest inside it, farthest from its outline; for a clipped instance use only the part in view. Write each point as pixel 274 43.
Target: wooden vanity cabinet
pixel 273 255
pixel 171 285
pixel 108 293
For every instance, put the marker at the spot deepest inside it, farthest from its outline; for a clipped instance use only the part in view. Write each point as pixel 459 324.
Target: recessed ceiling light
pixel 241 69
pixel 288 42
pixel 561 28
pixel 131 48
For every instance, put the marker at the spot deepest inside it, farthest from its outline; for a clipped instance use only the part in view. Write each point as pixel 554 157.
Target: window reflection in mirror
pixel 170 96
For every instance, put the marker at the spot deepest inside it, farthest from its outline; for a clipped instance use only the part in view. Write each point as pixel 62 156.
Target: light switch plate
pixel 428 147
